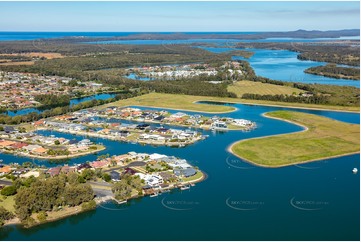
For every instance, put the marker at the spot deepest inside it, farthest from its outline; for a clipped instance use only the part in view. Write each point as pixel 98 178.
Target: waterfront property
pixel 141 133
pixel 91 117
pixel 115 176
pixel 33 145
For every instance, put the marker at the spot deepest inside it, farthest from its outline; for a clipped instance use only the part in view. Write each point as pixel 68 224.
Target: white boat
pixel 185 187
pixel 354 170
pixel 121 202
pixel 154 195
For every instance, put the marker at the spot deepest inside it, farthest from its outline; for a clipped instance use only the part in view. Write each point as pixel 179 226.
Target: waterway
pixel 101 96
pixel 238 201
pixel 283 65
pixel 274 64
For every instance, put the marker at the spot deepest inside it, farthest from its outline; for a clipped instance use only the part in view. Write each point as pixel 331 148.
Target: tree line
pixel 316 99
pixel 334 71
pixel 52 193
pixel 51 100
pixel 34 116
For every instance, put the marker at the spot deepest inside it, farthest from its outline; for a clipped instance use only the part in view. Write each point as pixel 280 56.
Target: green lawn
pixel 192 178
pixel 324 138
pixel 243 87
pixel 8 202
pixel 186 102
pixel 173 101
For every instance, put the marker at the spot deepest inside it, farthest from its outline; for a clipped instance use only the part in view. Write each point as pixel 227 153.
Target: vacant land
pixel 173 101
pixel 11 59
pixel 243 87
pixel 186 102
pixel 323 138
pixel 10 63
pixel 36 55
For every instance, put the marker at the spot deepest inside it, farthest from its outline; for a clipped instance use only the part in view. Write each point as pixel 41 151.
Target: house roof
pixel 19 145
pixel 6 143
pixel 114 175
pixel 5 169
pixel 54 171
pixel 40 150
pixel 98 164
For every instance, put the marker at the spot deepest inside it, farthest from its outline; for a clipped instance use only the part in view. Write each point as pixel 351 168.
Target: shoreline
pixel 178 109
pixel 277 105
pixel 16 221
pixel 229 148
pixel 55 158
pixel 202 126
pixel 140 142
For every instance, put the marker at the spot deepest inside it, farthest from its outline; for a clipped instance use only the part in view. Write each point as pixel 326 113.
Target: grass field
pixel 186 102
pixel 243 87
pixel 174 101
pixel 324 138
pixel 8 203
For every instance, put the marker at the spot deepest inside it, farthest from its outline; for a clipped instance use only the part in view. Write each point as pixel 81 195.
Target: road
pixel 6 183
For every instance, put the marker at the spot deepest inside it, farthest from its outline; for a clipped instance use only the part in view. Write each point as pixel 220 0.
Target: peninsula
pixel 321 138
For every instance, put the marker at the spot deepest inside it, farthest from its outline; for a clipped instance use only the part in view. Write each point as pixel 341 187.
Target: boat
pixel 192 184
pixel 121 202
pixel 154 194
pixel 185 187
pixel 354 170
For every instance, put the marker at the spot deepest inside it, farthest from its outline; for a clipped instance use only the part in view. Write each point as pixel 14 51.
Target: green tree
pixel 42 216
pixel 5 215
pixel 8 191
pixel 106 177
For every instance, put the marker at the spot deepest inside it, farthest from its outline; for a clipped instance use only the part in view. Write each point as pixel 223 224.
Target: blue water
pixel 7 35
pixel 102 96
pixel 10 36
pixel 283 65
pixel 238 201
pixel 219 42
pixel 136 77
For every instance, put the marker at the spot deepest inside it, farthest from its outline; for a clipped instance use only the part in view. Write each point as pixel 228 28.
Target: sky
pixel 178 16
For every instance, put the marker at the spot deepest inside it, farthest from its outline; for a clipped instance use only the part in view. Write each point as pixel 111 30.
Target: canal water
pixel 237 201
pixel 101 96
